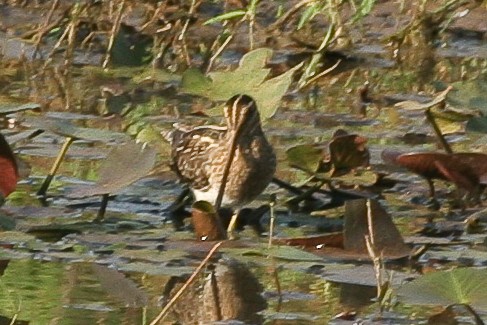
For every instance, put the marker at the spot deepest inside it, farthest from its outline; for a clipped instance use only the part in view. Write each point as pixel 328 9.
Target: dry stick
pixel 272 203
pixel 437 130
pixel 289 13
pixel 60 79
pixel 113 33
pixel 371 248
pixel 178 294
pixel 321 74
pixel 181 36
pixel 56 46
pixel 42 191
pixel 155 16
pixel 217 53
pixel 68 55
pixel 45 28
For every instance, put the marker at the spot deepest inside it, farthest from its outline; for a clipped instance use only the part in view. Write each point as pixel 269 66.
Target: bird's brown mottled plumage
pixel 200 154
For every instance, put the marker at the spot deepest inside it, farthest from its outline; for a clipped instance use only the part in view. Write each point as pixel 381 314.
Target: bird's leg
pixel 432 188
pixel 232 225
pixel 433 202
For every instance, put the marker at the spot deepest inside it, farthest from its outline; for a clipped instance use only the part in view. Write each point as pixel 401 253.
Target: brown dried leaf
pixel 463 169
pixel 329 240
pixel 387 238
pixel 205 222
pixel 349 151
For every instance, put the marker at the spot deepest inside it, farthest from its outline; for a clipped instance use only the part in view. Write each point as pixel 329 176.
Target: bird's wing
pixel 190 153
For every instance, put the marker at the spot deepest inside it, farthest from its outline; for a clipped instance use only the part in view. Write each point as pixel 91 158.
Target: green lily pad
pixel 67 129
pixel 306 157
pixel 9 108
pixel 280 252
pixel 470 94
pixel 249 78
pixel 458 286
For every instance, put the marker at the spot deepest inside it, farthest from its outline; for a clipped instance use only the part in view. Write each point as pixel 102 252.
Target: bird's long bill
pixel 226 171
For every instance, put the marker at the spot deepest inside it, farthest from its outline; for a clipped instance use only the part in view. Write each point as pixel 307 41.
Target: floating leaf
pixel 466 170
pixel 469 95
pixel 386 238
pixel 14 108
pixel 458 286
pixel 363 275
pixel 67 129
pixel 157 75
pixel 414 105
pixel 248 78
pixel 306 157
pixel 205 221
pixel 124 165
pixel 281 252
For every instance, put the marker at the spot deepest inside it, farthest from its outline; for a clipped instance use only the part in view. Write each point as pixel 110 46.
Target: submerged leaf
pixel 458 286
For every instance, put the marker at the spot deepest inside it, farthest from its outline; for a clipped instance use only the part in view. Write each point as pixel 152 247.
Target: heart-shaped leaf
pixel 249 78
pixel 458 286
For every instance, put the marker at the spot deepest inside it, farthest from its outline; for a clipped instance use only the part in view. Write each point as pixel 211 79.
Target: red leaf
pixel 8 168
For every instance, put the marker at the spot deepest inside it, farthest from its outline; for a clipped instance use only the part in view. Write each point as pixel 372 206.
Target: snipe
pixel 201 154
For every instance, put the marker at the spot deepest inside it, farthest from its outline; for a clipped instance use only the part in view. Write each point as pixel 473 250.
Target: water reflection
pixel 54 293
pixel 229 291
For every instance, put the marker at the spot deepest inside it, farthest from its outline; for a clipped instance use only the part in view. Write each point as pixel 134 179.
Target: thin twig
pixel 272 203
pixel 436 128
pixel 322 74
pixel 284 18
pixel 45 28
pixel 178 294
pixel 113 34
pixel 217 53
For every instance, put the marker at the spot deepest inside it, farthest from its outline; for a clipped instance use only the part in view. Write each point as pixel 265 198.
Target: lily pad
pixel 458 286
pixel 280 252
pixel 470 94
pixel 248 78
pixel 306 157
pixel 123 166
pixel 14 108
pixel 67 129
